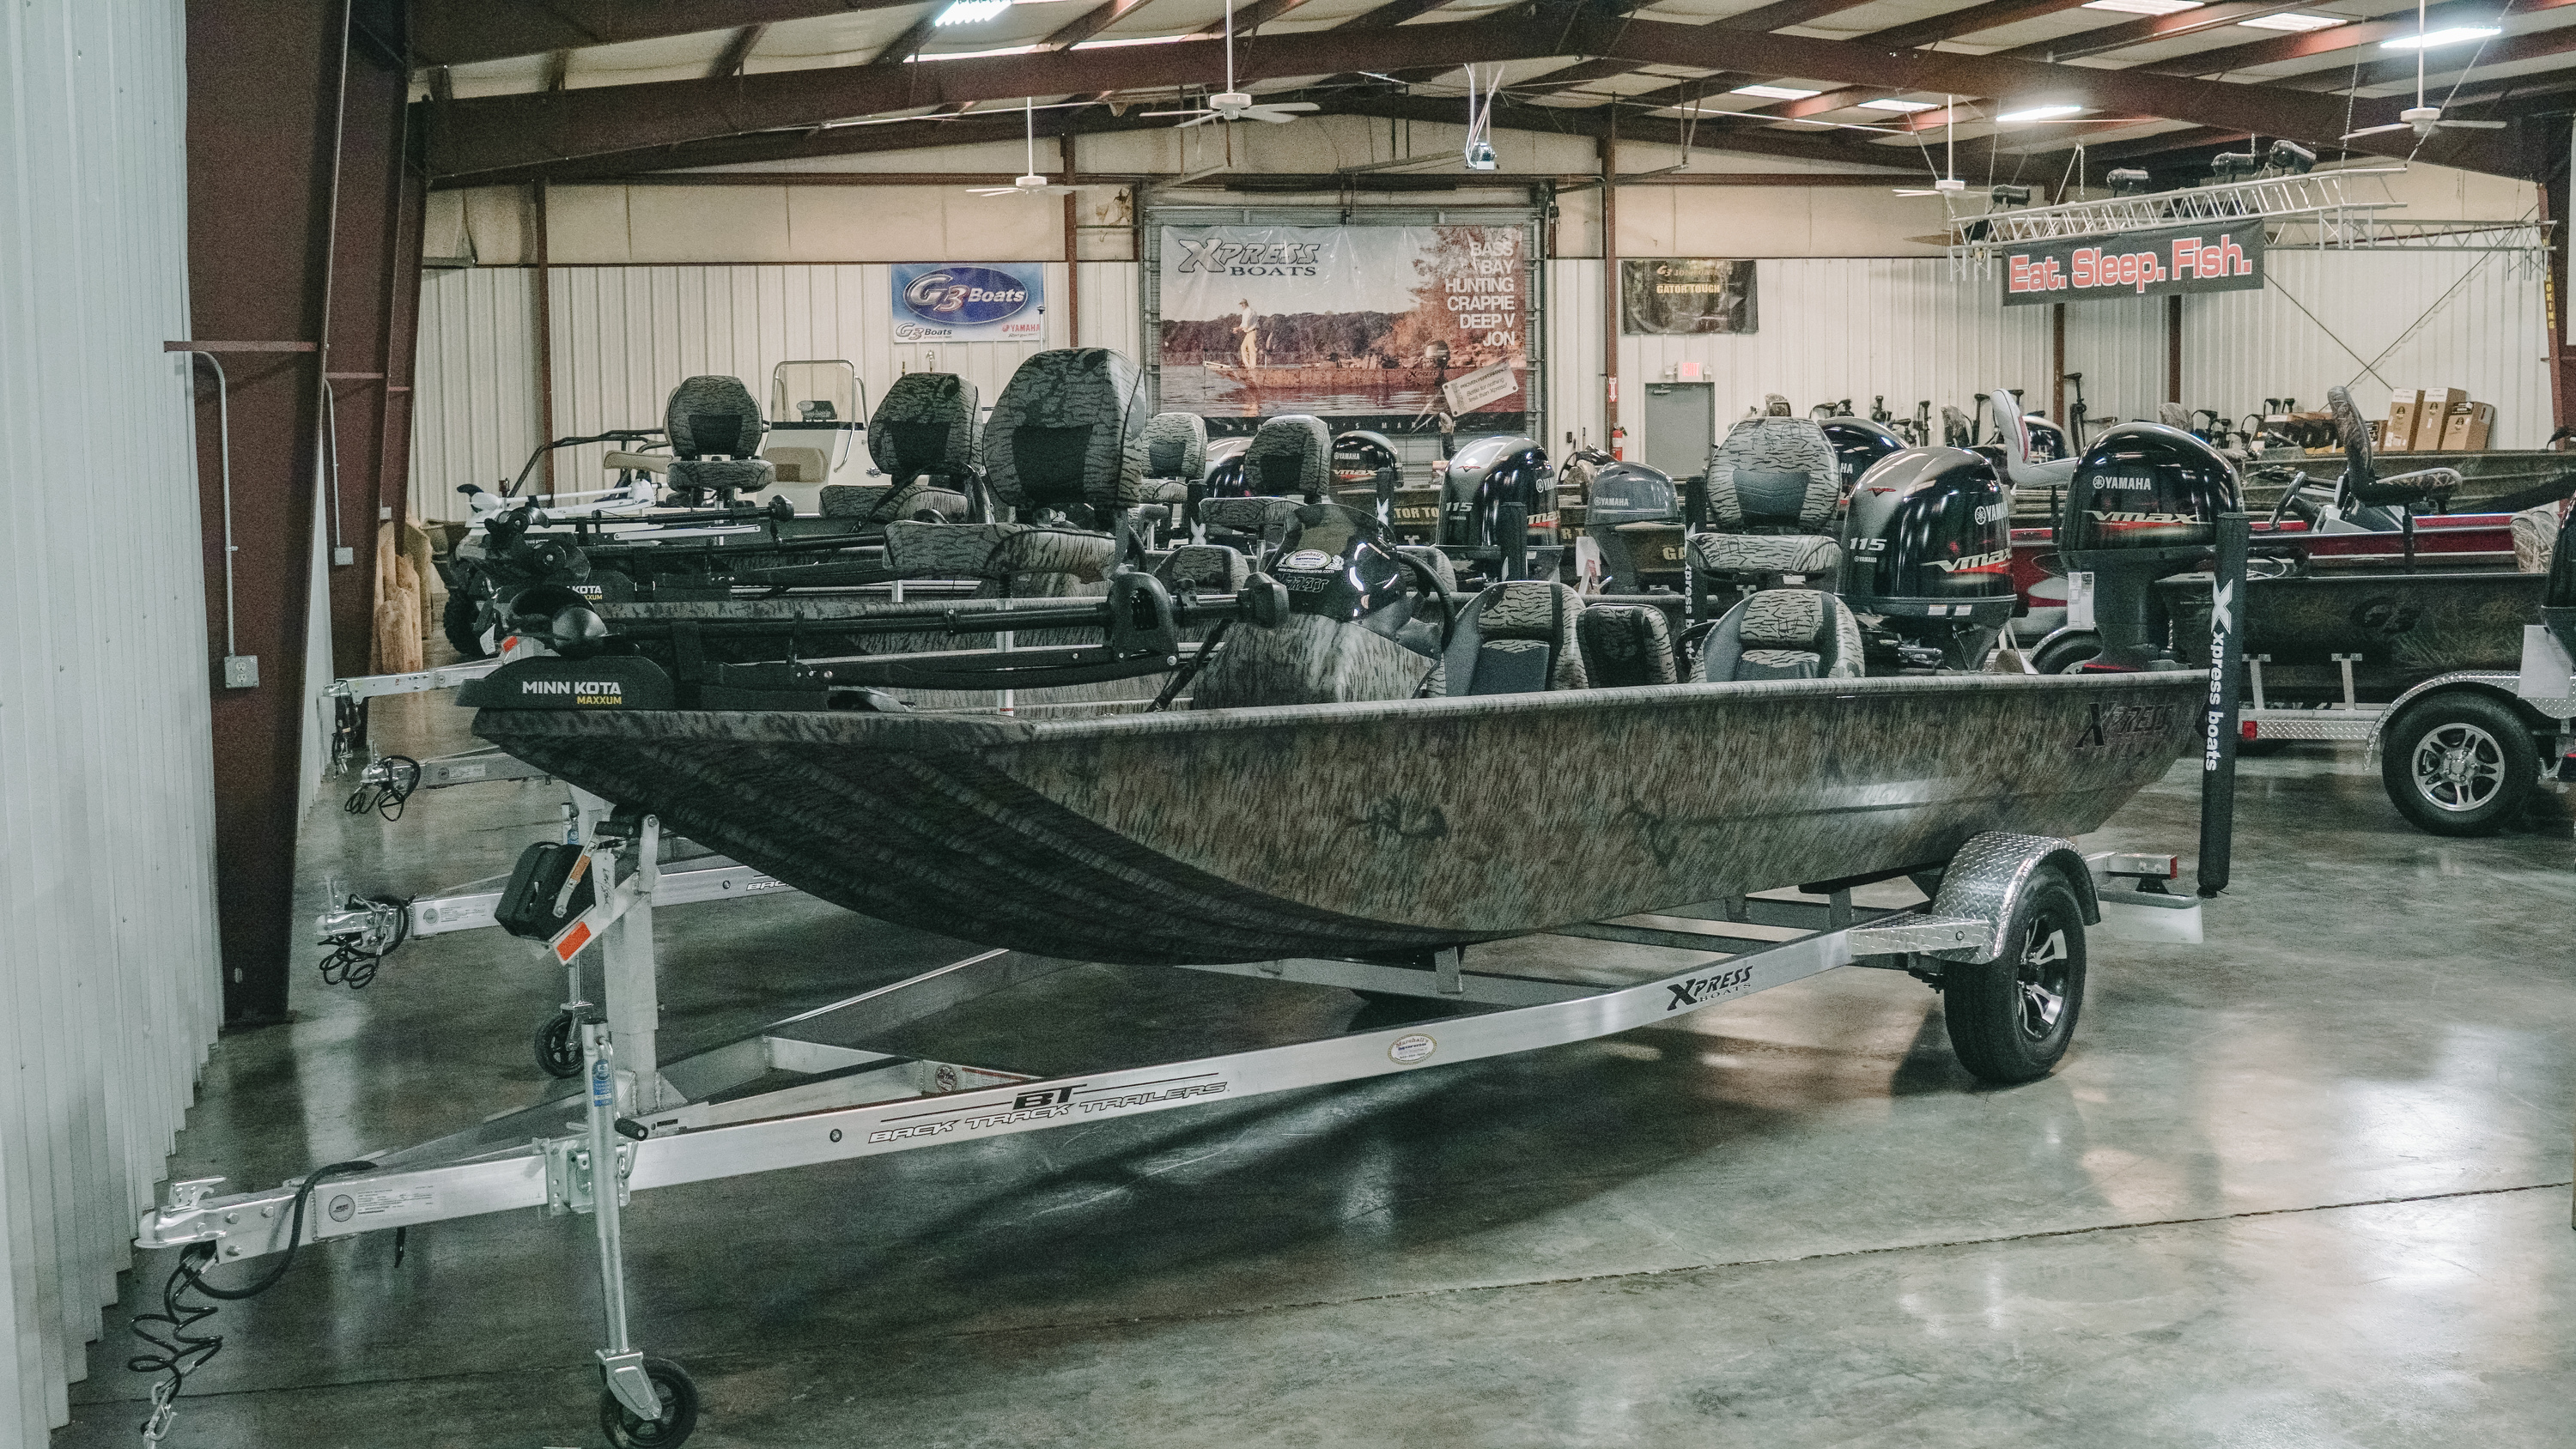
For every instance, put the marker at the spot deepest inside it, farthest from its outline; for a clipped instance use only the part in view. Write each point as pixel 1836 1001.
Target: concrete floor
pixel 2306 1185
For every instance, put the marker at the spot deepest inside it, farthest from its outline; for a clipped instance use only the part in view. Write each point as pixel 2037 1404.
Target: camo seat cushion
pixel 708 476
pixel 1206 567
pixel 1770 554
pixel 1069 431
pixel 1262 518
pixel 1774 473
pixel 1516 638
pixel 1176 446
pixel 886 502
pixel 1007 555
pixel 712 416
pixel 926 424
pixel 1163 491
pixel 1290 454
pixel 1625 645
pixel 1783 634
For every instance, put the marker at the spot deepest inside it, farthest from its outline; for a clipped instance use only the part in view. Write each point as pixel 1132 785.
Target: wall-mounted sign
pixel 1364 326
pixel 962 302
pixel 2208 258
pixel 1680 296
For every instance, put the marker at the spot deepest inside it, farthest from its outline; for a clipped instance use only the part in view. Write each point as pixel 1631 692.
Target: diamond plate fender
pixel 1989 877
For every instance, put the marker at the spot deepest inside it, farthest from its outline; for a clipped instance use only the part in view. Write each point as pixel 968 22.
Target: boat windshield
pixel 1329 527
pixel 824 390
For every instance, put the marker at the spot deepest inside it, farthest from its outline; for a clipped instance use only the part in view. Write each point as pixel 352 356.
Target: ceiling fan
pixel 1234 105
pixel 2421 118
pixel 1031 184
pixel 1948 183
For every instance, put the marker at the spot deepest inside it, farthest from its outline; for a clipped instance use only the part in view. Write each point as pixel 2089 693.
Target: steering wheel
pixel 2292 504
pixel 1430 578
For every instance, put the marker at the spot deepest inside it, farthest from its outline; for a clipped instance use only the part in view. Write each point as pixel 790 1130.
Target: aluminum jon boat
pixel 1393 827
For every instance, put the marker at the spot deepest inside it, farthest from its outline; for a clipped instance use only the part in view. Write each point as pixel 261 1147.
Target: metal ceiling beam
pixel 2503 50
pixel 1595 122
pixel 460 32
pixel 737 50
pixel 2144 30
pixel 2275 49
pixel 1090 23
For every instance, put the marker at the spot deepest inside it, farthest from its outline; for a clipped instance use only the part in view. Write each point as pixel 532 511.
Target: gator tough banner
pixel 1359 325
pixel 1683 296
pixel 2208 258
pixel 970 302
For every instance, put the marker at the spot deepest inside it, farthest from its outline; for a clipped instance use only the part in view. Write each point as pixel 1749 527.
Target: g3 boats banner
pixel 2206 258
pixel 970 302
pixel 1358 325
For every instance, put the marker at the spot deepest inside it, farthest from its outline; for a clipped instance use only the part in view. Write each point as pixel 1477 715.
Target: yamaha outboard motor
pixel 1488 476
pixel 1859 443
pixel 1928 548
pixel 2144 504
pixel 1635 516
pixel 1363 459
pixel 1224 476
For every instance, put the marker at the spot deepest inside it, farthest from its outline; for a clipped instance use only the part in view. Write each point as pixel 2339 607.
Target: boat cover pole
pixel 2226 662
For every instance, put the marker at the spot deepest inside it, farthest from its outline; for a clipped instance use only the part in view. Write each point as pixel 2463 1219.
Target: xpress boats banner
pixel 1365 326
pixel 961 302
pixel 2137 264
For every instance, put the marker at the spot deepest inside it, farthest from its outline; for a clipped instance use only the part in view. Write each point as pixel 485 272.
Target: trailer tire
pixel 2459 763
pixel 458 620
pixel 679 1411
pixel 2011 1018
pixel 2060 655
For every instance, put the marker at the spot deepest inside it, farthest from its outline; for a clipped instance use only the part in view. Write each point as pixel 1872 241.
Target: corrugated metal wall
pixel 2375 321
pixel 624 335
pixel 108 991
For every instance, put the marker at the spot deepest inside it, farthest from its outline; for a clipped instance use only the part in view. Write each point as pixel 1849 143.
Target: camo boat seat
pixel 714 427
pixel 1068 434
pixel 1264 520
pixel 1625 645
pixel 1290 455
pixel 1175 457
pixel 924 438
pixel 1773 486
pixel 1013 560
pixel 1204 567
pixel 1783 634
pixel 1516 638
pixel 2361 481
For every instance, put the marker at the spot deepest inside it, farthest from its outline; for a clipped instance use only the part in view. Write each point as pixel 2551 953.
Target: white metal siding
pixel 108 974
pixel 2375 321
pixel 474 389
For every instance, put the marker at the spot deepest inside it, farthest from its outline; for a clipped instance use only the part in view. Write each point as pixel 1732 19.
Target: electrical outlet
pixel 241 671
pixel 343 557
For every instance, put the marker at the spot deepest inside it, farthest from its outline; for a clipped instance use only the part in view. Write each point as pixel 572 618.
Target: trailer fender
pixel 1990 877
pixel 2493 683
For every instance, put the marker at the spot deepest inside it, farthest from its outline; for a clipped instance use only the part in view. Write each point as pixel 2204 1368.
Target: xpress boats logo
pixel 1218 257
pixel 2107 725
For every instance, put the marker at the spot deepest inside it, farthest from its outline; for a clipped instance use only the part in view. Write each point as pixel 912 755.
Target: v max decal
pixel 2206 258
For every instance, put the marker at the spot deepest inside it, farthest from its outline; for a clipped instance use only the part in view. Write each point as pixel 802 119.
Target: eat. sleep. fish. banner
pixel 2207 258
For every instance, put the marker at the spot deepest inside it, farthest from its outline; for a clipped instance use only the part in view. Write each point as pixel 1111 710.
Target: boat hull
pixel 1357 829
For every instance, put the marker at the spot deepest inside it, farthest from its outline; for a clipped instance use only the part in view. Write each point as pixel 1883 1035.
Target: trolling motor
pixel 2144 504
pixel 1928 549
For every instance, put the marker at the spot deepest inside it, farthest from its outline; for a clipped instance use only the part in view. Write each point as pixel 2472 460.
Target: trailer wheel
pixel 559 1046
pixel 2061 655
pixel 2010 1019
pixel 679 1417
pixel 2459 763
pixel 458 619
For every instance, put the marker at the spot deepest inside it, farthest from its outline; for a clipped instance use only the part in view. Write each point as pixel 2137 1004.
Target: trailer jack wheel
pixel 679 1418
pixel 558 1045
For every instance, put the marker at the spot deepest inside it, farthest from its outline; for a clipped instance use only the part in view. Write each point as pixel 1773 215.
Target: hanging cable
pixel 385 787
pixel 355 957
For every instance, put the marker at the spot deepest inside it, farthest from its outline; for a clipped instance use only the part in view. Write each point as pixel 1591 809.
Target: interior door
pixel 1680 427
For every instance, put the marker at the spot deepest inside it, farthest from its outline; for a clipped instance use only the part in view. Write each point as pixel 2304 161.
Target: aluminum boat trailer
pixel 2003 903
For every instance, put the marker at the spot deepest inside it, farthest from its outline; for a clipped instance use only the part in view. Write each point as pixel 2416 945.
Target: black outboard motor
pixel 1225 468
pixel 1928 548
pixel 1489 476
pixel 2144 504
pixel 1363 459
pixel 1859 443
pixel 2047 439
pixel 1635 514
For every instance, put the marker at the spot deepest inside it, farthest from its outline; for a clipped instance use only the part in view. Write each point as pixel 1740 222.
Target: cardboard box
pixel 2399 434
pixel 2468 427
pixel 2434 415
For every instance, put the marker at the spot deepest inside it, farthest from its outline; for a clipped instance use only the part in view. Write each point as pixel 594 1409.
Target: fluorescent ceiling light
pixel 1902 108
pixel 1122 40
pixel 967 12
pixel 2144 7
pixel 2038 113
pixel 2440 37
pixel 969 54
pixel 1775 93
pixel 2301 23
